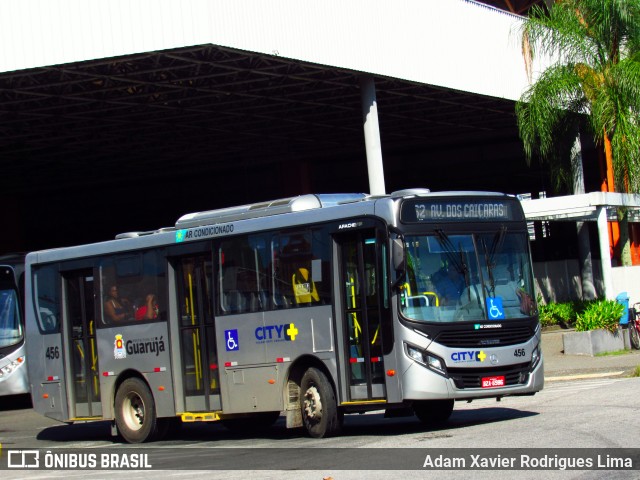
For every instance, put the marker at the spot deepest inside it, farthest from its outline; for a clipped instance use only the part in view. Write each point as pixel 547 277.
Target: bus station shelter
pixel 600 207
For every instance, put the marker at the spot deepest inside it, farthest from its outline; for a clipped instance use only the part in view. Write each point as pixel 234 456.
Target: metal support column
pixel 584 247
pixel 372 136
pixel 603 240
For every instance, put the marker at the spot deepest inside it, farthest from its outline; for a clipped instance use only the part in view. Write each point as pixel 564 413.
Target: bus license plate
pixel 492 382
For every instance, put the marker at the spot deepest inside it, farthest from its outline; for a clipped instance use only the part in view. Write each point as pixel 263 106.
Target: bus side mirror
pixel 398 259
pixel 397 251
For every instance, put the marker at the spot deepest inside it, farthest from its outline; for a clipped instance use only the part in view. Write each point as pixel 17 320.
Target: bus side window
pixel 233 300
pixel 243 275
pixel 47 299
pixel 133 288
pixel 293 275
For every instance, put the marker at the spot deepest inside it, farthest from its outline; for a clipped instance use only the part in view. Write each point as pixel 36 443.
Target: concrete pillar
pixel 372 136
pixel 584 247
pixel 603 238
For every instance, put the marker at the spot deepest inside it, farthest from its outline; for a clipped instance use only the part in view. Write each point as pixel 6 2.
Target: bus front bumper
pixel 421 383
pixel 13 376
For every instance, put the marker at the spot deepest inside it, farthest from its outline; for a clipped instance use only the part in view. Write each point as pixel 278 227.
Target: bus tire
pixel 433 413
pixel 318 404
pixel 135 411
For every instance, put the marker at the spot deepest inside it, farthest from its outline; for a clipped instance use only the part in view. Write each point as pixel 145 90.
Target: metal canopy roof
pixel 210 108
pixel 594 206
pixel 583 207
pixel 145 111
pixel 520 7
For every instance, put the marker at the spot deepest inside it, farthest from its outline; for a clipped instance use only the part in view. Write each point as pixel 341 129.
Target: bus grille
pixel 472 377
pixel 499 337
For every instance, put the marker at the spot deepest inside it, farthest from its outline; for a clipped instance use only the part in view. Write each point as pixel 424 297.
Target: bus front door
pixel 362 298
pixel 200 372
pixel 81 345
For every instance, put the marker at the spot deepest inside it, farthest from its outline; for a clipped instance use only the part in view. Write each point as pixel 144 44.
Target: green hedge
pixel 600 314
pixel 584 315
pixel 564 313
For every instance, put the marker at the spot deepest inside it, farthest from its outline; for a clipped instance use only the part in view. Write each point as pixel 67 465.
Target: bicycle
pixel 634 326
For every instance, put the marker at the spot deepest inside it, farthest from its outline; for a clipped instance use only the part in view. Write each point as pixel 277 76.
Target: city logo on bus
pixel 469 357
pixel 286 332
pixel 118 348
pixel 139 346
pixel 203 232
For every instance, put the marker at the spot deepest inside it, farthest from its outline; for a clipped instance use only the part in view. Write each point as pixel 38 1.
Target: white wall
pixel 559 281
pixel 627 279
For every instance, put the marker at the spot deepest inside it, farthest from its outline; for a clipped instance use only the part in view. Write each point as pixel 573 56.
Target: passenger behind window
pixel 449 284
pixel 116 309
pixel 148 311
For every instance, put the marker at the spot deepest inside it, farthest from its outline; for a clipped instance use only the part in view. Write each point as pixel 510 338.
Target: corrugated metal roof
pixel 450 43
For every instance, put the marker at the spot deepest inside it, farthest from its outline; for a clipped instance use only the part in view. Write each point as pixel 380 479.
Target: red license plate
pixel 492 382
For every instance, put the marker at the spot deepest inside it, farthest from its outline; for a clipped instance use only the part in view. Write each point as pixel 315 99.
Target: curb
pixel 581 376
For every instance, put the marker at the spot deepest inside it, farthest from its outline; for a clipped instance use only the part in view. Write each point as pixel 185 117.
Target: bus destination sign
pixel 417 211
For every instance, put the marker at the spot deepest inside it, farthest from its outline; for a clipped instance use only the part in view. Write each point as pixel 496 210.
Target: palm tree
pixel 595 76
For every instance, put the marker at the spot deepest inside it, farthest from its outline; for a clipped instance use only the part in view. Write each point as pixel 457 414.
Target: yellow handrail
pixel 197 356
pixel 435 295
pixel 94 359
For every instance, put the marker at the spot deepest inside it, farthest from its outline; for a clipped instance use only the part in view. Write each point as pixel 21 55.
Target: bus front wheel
pixel 318 403
pixel 135 411
pixel 433 412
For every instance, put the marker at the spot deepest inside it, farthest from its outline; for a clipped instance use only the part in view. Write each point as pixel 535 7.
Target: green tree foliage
pixel 595 73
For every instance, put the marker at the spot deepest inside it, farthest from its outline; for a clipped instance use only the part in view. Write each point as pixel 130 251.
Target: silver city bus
pixel 13 369
pixel 312 307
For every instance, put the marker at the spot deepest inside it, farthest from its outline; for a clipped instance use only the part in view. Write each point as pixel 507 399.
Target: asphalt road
pixel 591 414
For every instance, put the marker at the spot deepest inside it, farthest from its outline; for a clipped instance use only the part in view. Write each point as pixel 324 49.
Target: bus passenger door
pixel 81 345
pixel 362 300
pixel 200 372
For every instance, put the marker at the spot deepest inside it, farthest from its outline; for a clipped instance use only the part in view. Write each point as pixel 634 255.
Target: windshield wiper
pixel 496 246
pixel 449 250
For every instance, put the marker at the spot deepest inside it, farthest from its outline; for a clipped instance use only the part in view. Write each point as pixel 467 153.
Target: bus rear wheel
pixel 135 411
pixel 318 403
pixel 433 413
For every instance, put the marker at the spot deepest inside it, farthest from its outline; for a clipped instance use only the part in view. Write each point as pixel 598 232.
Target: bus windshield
pixel 469 277
pixel 10 325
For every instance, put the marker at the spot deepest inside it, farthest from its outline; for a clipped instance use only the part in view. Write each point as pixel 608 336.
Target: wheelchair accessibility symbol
pixel 231 337
pixel 494 306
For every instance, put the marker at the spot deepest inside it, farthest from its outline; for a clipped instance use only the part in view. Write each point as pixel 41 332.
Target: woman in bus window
pixel 115 308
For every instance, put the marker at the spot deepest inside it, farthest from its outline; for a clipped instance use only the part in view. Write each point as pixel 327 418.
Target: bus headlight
pixel 429 360
pixel 535 357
